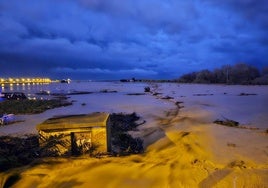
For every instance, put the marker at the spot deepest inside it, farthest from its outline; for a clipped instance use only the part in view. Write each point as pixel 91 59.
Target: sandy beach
pixel 183 147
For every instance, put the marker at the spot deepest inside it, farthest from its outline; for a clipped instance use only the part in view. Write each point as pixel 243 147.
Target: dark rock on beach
pixel 108 91
pixel 135 94
pixel 227 122
pixel 246 94
pixel 167 97
pixel 203 94
pixel 147 89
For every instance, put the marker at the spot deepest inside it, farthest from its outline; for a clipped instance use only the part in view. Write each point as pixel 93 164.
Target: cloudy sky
pixel 113 39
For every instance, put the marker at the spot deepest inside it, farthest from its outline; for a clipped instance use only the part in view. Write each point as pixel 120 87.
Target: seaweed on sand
pixel 122 142
pixel 227 122
pixel 30 106
pixel 232 123
pixel 15 151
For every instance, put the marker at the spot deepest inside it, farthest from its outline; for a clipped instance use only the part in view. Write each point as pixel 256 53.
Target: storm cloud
pixel 99 39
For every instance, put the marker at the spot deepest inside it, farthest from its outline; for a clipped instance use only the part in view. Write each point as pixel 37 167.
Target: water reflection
pixel 26 88
pixel 11 87
pixel 23 87
pixel 32 89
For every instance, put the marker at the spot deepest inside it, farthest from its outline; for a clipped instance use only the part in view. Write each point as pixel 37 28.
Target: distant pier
pixel 25 81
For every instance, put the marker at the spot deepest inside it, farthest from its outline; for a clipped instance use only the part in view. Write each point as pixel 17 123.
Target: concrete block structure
pixel 75 134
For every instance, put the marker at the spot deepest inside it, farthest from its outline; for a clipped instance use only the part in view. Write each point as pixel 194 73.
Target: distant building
pixel 76 134
pixel 66 81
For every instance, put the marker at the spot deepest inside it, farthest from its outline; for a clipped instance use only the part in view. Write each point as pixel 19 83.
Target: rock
pixel 167 97
pixel 227 122
pixel 135 94
pixel 246 94
pixel 147 89
pixel 203 94
pixel 108 91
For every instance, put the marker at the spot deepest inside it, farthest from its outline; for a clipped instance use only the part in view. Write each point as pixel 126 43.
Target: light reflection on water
pixel 27 88
pixel 32 89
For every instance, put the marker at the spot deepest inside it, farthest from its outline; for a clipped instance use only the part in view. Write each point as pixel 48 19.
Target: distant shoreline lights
pixel 25 80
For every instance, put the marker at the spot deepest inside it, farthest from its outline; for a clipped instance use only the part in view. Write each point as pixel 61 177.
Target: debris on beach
pixel 232 123
pixel 227 122
pixel 178 102
pixel 108 91
pixel 202 94
pixel 15 151
pixel 135 94
pixel 147 89
pixel 79 93
pixel 156 94
pixel 237 164
pixel 122 142
pixel 167 97
pixel 231 144
pixel 246 94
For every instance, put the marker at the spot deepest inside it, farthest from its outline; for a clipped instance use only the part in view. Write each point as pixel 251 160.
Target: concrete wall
pixel 75 141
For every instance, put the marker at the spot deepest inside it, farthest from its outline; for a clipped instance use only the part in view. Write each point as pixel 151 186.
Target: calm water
pixel 31 89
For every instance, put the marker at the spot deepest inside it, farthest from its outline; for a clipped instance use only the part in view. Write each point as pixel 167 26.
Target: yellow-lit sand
pixel 181 152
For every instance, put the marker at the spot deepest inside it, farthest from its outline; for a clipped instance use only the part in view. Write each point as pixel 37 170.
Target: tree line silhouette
pixel 240 73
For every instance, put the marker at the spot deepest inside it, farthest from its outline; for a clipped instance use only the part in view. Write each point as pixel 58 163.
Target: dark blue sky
pixel 112 39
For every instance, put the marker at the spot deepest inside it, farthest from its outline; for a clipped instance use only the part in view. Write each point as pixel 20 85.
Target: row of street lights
pixel 24 80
